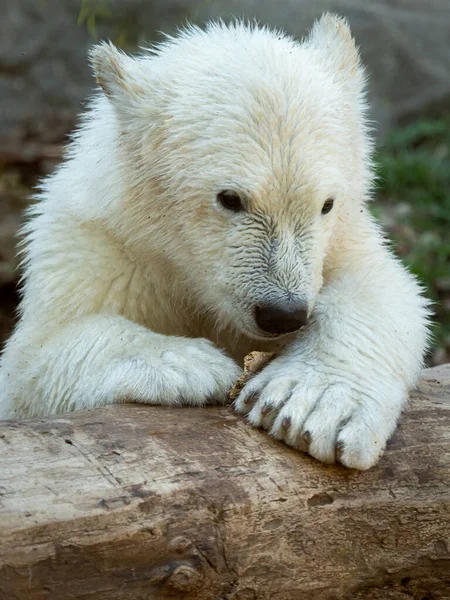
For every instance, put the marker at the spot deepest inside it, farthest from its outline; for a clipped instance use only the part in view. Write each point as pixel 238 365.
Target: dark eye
pixel 230 200
pixel 328 205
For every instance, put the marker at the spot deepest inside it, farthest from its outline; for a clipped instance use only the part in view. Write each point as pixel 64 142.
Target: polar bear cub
pixel 213 202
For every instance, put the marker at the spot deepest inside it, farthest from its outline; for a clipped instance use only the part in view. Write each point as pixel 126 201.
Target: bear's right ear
pixel 120 76
pixel 332 37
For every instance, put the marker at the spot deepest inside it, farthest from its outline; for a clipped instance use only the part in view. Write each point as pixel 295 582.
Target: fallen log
pixel 135 502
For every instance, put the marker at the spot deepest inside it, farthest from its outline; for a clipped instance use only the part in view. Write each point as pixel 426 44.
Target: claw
pixel 286 423
pixel 339 451
pixel 266 409
pixel 251 398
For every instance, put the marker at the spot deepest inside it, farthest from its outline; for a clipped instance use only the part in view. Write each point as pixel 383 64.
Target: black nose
pixel 281 318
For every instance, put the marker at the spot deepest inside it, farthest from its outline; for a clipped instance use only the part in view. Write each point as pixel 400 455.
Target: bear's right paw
pixel 188 372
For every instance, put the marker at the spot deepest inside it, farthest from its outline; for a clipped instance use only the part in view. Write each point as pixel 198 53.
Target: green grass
pixel 414 194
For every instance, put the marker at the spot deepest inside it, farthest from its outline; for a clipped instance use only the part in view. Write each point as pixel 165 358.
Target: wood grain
pixel 138 502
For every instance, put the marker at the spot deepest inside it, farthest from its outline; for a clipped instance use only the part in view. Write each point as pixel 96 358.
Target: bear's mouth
pixel 257 334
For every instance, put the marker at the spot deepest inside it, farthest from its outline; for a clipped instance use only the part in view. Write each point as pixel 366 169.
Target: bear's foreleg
pixel 338 390
pixel 104 359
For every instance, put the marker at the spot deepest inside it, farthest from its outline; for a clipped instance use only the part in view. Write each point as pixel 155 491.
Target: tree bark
pixel 134 502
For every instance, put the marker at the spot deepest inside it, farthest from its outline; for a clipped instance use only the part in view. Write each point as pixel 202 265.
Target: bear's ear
pixel 119 75
pixel 332 37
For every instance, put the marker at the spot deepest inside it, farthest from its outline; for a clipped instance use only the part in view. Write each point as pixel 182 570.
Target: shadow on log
pixel 138 503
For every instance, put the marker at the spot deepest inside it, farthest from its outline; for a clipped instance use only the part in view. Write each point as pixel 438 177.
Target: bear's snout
pixel 281 318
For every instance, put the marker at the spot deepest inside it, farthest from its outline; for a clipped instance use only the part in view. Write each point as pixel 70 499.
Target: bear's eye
pixel 328 205
pixel 230 200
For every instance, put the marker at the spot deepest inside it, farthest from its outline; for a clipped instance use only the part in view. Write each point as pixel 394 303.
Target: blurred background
pixel 45 80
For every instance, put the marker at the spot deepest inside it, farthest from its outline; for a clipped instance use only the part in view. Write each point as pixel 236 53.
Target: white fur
pixel 130 261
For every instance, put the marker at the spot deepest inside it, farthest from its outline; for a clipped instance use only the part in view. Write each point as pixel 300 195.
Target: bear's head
pixel 246 155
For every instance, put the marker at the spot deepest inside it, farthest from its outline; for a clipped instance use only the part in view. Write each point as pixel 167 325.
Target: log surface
pixel 134 502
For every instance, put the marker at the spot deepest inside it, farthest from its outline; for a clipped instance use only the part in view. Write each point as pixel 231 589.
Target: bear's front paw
pixel 195 372
pixel 332 416
pixel 172 371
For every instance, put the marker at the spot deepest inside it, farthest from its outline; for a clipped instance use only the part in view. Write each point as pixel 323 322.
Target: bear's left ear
pixel 332 37
pixel 123 79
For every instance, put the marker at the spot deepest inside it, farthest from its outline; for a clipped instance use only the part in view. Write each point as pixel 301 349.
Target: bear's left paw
pixel 331 416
